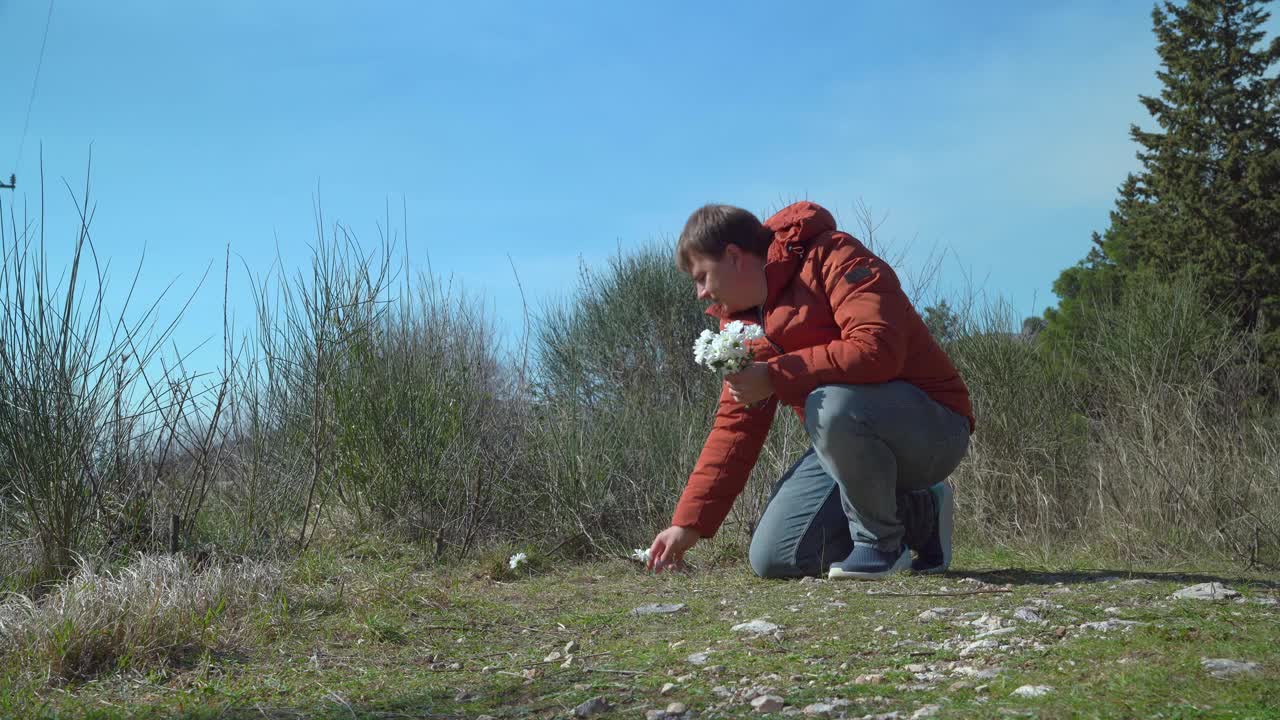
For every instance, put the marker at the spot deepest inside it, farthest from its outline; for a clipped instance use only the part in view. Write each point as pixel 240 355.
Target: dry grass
pixel 159 610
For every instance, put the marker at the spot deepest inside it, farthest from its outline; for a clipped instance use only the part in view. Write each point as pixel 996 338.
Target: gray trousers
pixel 870 442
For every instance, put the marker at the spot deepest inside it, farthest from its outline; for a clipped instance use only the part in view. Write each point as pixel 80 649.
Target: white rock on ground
pixel 1224 668
pixel 1032 691
pixel 667 689
pixel 978 646
pixel 1109 625
pixel 819 709
pixel 1205 591
pixel 979 673
pixel 756 627
pixel 767 704
pixel 658 609
pixel 698 658
pixel 925 711
pixel 1026 614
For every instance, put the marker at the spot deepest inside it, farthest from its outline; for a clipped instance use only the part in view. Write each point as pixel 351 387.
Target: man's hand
pixel 669 547
pixel 751 385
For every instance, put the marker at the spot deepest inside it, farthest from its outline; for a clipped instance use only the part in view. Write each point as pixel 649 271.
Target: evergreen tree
pixel 1208 195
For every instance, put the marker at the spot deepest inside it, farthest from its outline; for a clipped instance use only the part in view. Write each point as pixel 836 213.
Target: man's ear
pixel 734 254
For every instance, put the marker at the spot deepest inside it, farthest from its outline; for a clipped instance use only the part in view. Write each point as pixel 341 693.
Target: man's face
pixel 736 280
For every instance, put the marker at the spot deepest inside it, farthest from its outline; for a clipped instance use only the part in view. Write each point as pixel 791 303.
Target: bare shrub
pixel 91 416
pixel 1144 437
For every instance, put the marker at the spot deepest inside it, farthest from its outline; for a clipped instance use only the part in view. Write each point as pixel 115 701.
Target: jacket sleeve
pixel 873 314
pixel 727 458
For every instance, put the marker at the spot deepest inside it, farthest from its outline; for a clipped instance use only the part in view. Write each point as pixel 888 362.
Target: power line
pixel 34 84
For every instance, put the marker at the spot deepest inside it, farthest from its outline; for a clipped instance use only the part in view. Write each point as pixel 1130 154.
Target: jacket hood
pixel 797 224
pixel 794 227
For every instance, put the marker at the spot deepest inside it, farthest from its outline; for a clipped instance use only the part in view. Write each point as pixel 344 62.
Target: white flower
pixel 727 351
pixel 641 554
pixel 517 559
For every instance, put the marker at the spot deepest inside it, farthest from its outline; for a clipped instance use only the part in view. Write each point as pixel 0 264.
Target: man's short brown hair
pixel 712 228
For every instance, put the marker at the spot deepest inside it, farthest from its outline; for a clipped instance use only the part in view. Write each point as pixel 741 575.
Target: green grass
pixel 381 635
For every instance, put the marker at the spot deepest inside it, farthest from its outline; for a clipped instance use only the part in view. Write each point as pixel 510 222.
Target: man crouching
pixel 888 416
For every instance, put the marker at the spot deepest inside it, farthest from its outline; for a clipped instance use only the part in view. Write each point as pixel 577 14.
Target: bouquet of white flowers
pixel 726 351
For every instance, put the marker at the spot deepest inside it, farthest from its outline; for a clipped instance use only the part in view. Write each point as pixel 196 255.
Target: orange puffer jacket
pixel 835 314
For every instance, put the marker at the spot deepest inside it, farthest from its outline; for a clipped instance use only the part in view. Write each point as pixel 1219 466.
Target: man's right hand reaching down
pixel 669 547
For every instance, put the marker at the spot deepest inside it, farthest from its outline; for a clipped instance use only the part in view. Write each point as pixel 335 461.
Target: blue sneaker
pixel 866 562
pixel 934 555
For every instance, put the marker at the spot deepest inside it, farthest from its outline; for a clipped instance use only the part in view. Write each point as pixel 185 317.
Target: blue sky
pixel 995 131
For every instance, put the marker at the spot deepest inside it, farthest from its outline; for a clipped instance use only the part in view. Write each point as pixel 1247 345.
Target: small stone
pixel 871 679
pixel 455 666
pixel 462 696
pixel 668 688
pixel 488 669
pixel 926 711
pixel 979 673
pixel 1027 615
pixel 571 647
pixel 658 609
pixel 655 715
pixel 1109 625
pixel 977 646
pixel 1224 668
pixel 755 627
pixel 721 691
pixel 698 658
pixel 1032 691
pixel 819 709
pixel 988 622
pixel 594 706
pixel 767 704
pixel 807 579
pixel 996 632
pixel 917 667
pixel 552 657
pixel 960 685
pixel 568 662
pixel 1060 631
pixel 1205 591
pixel 531 674
pixel 928 616
pixel 676 708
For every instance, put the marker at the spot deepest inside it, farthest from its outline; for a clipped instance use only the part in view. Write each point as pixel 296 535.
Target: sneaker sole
pixel 945 517
pixel 902 563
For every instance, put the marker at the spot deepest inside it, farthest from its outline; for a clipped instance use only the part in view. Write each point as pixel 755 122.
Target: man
pixel 887 413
